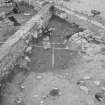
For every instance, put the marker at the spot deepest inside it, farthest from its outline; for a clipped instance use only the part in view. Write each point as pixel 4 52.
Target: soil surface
pixel 61 66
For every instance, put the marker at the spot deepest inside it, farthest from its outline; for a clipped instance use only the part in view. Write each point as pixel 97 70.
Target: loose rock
pixel 103 88
pixel 35 35
pixel 54 92
pixel 100 96
pixel 27 14
pixel 46 38
pixel 19 100
pixel 29 50
pixel 39 77
pixel 41 102
pixel 46 45
pixel 63 15
pixel 22 87
pixel 85 89
pixel 86 77
pixel 35 96
pixel 27 59
pixel 27 41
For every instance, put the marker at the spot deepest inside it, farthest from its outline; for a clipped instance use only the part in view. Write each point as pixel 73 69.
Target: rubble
pixel 29 50
pixel 39 77
pixel 85 89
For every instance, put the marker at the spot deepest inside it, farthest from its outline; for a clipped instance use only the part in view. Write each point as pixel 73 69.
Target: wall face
pixel 16 44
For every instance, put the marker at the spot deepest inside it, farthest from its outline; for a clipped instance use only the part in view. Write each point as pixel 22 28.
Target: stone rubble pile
pixel 86 42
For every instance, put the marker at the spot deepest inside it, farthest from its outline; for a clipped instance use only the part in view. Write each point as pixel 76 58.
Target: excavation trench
pixel 54 59
pixel 42 59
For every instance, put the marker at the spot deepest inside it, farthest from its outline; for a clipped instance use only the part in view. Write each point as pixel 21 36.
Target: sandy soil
pixel 42 63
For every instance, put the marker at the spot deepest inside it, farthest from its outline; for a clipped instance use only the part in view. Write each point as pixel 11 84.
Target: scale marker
pixel 53 60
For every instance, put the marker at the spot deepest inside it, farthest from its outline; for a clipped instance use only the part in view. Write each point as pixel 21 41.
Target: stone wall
pixel 16 44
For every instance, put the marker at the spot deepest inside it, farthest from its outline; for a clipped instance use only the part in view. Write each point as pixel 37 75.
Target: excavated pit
pixel 55 59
